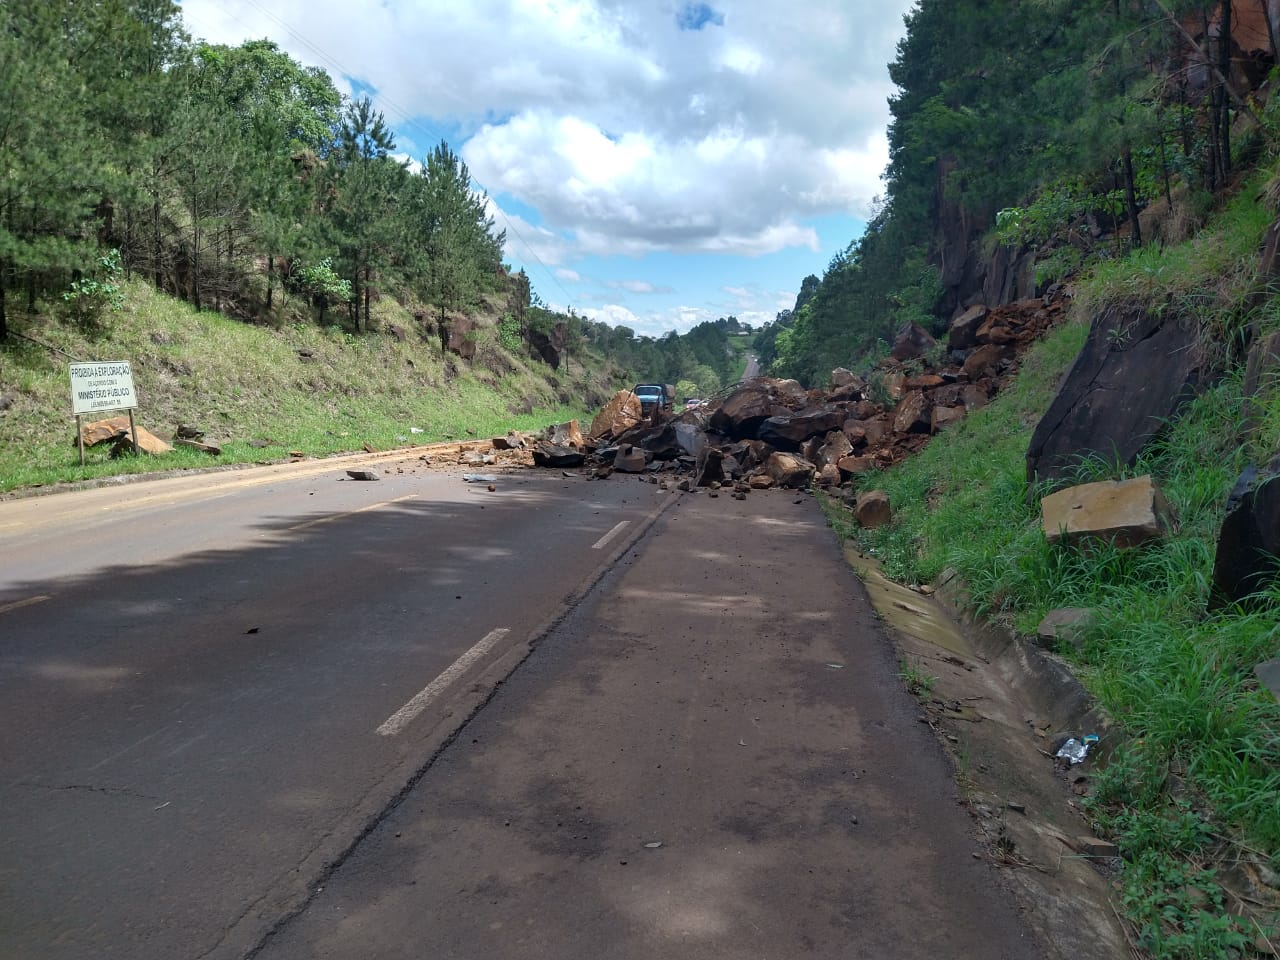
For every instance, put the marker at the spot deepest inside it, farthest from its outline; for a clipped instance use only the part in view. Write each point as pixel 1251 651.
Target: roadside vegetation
pixel 1191 786
pixel 317 390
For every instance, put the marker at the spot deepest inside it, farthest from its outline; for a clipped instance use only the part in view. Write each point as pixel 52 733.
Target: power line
pixel 333 63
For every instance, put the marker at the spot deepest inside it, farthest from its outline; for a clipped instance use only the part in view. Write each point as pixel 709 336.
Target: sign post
pixel 101 386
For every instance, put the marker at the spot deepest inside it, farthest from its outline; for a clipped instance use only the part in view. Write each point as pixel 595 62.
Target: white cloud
pixel 620 128
pixel 567 275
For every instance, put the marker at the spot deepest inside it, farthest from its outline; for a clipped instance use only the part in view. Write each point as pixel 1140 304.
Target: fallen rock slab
pixel 148 443
pixel 363 475
pixel 789 470
pixel 566 435
pixel 1248 554
pixel 102 431
pixel 629 459
pixel 1137 369
pixel 547 454
pixel 620 414
pixel 1126 513
pixel 203 446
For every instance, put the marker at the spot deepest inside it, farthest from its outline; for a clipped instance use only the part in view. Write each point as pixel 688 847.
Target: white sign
pixel 102 386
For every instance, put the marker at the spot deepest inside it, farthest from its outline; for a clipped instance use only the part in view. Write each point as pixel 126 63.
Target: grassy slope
pixel 241 383
pixel 1196 783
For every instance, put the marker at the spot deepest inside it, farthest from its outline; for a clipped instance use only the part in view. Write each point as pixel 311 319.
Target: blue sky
pixel 654 164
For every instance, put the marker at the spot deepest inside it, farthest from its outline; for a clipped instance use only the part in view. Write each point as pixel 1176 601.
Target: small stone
pixel 363 474
pixel 1093 847
pixel 1017 807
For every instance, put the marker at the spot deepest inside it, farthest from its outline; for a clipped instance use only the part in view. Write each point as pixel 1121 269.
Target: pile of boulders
pixel 768 432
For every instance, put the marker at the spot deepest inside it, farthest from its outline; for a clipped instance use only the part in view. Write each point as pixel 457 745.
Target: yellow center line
pixel 23 603
pixel 339 516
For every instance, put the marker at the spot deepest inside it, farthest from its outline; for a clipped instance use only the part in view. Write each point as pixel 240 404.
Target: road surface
pixel 260 715
pixel 711 759
pixel 196 678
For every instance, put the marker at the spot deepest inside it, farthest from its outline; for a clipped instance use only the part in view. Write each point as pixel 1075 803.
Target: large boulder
pixel 986 361
pixel 148 443
pixel 836 447
pixel 789 470
pixel 552 455
pixel 458 335
pixel 1126 513
pixel 740 415
pixel 103 431
pixel 565 434
pixel 1138 368
pixel 964 329
pixel 912 342
pixel 792 429
pixel 630 459
pixel 872 509
pixel 1248 557
pixel 620 414
pixel 912 415
pixel 549 346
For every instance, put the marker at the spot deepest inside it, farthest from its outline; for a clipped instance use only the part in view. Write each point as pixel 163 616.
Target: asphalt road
pixel 212 686
pixel 711 758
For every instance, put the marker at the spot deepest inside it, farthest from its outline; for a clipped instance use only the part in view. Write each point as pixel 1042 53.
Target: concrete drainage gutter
pixel 1000 706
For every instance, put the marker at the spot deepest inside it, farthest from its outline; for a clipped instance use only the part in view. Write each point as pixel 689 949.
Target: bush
pixel 90 298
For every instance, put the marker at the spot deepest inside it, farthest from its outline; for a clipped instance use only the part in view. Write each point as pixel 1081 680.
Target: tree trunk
pixel 271 265
pixel 1131 199
pixel 4 318
pixel 195 260
pixel 1224 67
pixel 1271 29
pixel 366 296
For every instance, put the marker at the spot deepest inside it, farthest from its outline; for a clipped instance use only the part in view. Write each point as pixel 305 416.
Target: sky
pixel 654 164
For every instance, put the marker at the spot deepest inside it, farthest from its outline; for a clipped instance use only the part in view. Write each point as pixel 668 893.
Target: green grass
pixel 241 383
pixel 1194 780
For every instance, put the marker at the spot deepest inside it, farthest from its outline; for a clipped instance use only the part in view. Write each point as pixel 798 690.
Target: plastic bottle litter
pixel 1075 750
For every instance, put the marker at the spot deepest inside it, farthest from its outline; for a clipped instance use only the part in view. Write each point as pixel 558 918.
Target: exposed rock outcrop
pixel 1136 371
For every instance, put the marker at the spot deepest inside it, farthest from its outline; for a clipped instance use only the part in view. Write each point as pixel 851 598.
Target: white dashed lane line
pixel 432 691
pixel 17 604
pixel 603 541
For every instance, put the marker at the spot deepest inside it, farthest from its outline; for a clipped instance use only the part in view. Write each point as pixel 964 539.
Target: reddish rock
pixel 912 415
pixel 995 331
pixel 857 465
pixel 855 431
pixel 963 330
pixel 872 509
pixel 911 342
pixel 835 447
pixel 925 381
pixel 945 415
pixel 985 361
pixel 876 430
pixel 1124 512
pixel 566 435
pixel 148 443
pixel 829 476
pixel 101 431
pixel 864 410
pixel 761 481
pixel 973 396
pixel 620 414
pixel 893 384
pixel 789 470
